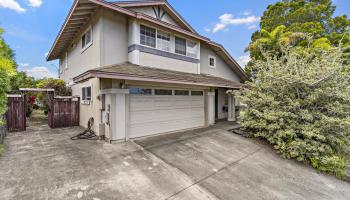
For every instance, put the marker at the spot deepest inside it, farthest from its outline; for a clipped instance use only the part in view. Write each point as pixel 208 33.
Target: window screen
pixel 180 46
pixel 191 49
pixel 163 41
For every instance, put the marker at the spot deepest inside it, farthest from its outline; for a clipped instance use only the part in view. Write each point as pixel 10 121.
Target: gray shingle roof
pixel 128 71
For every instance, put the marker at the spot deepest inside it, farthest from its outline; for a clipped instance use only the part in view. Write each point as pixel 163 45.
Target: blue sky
pixel 32 25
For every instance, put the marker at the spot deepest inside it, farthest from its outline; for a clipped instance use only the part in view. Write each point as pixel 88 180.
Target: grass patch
pixel 1 148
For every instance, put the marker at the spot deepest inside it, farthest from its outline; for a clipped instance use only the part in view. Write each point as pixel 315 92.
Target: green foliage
pixel 292 22
pixel 60 86
pixel 7 70
pixel 22 80
pixel 299 101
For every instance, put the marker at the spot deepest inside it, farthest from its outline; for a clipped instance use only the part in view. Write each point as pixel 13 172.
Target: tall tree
pixel 7 69
pixel 292 22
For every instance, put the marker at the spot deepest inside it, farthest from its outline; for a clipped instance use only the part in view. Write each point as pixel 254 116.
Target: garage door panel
pixel 145 129
pixel 164 115
pixel 159 114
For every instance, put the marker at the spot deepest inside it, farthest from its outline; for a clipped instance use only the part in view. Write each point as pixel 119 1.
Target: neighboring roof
pixel 128 71
pixel 162 3
pixel 82 10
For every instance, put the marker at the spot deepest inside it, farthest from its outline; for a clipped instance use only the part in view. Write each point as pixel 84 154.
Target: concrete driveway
pixel 205 164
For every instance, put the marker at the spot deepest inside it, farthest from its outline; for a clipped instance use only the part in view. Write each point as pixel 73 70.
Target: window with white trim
pixel 180 46
pixel 86 93
pixel 212 61
pixel 86 39
pixel 192 49
pixel 163 41
pixel 148 36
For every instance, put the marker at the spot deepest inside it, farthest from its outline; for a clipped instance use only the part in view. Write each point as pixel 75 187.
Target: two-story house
pixel 140 69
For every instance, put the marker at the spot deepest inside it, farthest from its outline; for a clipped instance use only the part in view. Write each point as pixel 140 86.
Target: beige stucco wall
pixel 114 38
pixel 162 62
pixel 109 46
pixel 80 61
pixel 222 68
pixel 92 110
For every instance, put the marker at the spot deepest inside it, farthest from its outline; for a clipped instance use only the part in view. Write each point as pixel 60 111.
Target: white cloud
pixel 243 60
pixel 228 19
pixel 35 3
pixel 39 72
pixel 13 5
pixel 23 64
pixel 253 26
pixel 246 13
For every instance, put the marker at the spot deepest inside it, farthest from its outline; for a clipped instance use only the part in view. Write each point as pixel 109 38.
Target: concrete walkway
pixel 195 165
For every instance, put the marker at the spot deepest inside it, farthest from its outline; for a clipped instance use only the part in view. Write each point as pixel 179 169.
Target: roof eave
pixel 113 75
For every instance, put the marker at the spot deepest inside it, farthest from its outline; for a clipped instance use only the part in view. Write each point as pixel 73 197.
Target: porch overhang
pixel 127 71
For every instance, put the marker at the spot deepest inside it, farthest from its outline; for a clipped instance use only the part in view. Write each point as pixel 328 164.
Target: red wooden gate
pixel 16 114
pixel 63 112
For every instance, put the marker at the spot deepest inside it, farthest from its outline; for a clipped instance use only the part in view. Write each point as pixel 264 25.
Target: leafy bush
pixel 300 103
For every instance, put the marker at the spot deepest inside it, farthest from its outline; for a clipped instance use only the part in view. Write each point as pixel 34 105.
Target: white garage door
pixel 158 112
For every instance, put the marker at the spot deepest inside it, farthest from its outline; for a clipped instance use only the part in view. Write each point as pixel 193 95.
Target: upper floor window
pixel 163 41
pixel 148 36
pixel 191 49
pixel 180 46
pixel 86 39
pixel 212 61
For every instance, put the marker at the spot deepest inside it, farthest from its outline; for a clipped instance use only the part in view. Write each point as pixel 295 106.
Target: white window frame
pixel 185 45
pixel 172 45
pixel 150 27
pixel 86 101
pixel 157 43
pixel 192 48
pixel 87 45
pixel 214 58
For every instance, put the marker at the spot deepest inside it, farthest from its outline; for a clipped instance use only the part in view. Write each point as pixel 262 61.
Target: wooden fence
pixel 63 112
pixel 16 113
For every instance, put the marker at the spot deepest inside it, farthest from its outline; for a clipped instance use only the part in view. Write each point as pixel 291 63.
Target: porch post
pixel 231 108
pixel 119 112
pixel 210 111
